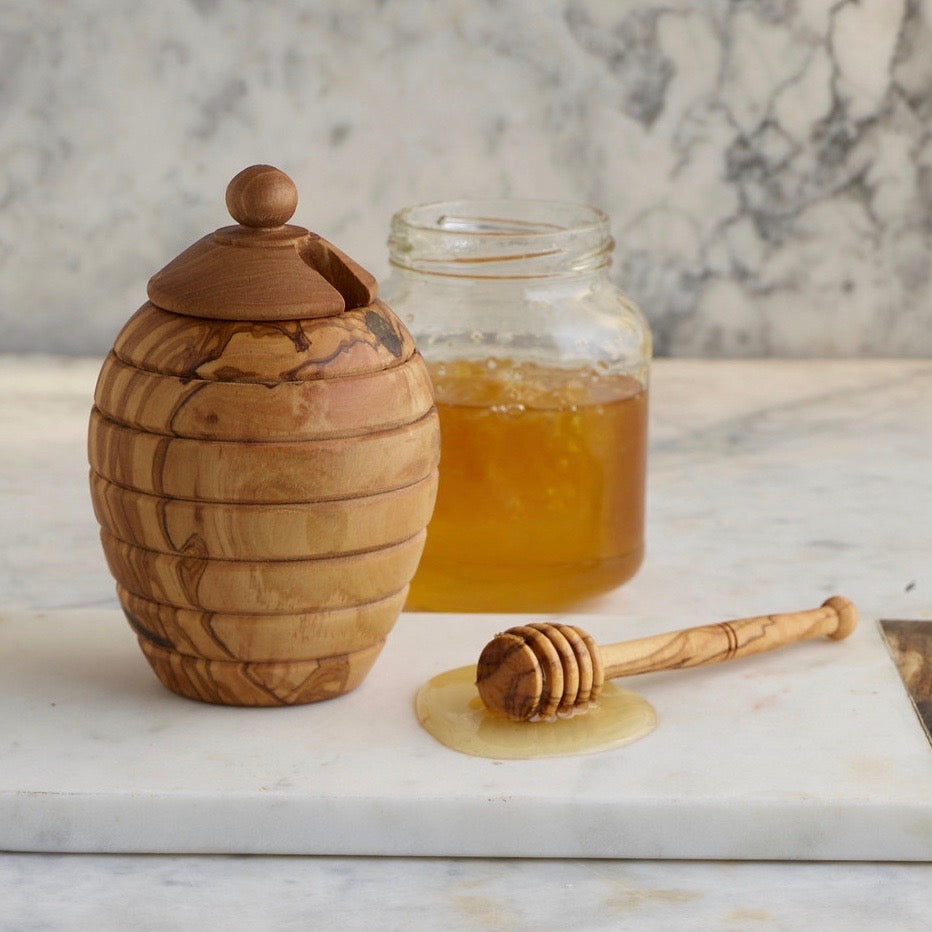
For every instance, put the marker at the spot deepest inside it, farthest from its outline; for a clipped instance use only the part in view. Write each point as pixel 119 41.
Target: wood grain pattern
pixel 279 471
pixel 261 636
pixel 305 410
pixel 261 197
pixel 910 645
pixel 365 340
pixel 357 286
pixel 533 672
pixel 262 268
pixel 274 586
pixel 276 531
pixel 216 278
pixel 835 618
pixel 260 684
pixel 263 450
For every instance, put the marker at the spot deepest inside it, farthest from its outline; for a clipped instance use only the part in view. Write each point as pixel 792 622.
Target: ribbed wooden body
pixel 262 489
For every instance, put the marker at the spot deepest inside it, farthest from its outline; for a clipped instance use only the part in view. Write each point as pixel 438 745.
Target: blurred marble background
pixel 767 164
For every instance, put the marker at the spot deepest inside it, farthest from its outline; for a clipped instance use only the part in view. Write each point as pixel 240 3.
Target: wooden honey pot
pixel 264 450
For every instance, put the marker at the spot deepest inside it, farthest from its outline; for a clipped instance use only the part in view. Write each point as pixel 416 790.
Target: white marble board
pixel 812 752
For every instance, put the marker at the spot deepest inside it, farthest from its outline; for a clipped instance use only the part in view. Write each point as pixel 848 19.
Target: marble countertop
pixel 773 484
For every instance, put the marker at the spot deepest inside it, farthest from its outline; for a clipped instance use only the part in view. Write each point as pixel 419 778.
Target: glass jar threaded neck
pixel 500 239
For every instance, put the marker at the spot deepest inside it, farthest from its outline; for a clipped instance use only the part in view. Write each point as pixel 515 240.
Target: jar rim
pixel 517 216
pixel 500 238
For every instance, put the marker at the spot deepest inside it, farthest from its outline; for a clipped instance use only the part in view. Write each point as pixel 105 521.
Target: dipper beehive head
pixel 539 672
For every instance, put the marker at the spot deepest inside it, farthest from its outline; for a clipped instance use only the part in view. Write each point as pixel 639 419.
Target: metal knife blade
pixel 910 646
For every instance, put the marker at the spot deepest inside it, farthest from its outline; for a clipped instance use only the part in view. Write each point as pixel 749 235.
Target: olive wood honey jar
pixel 263 449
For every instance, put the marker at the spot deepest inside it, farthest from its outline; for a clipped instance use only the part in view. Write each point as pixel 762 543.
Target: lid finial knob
pixel 262 197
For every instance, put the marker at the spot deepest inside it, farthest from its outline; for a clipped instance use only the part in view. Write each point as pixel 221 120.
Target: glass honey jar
pixel 540 367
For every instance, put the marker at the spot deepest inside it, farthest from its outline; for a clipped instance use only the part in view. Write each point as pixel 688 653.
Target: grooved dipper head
pixel 539 672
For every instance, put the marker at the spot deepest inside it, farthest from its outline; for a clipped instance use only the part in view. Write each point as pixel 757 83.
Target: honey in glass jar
pixel 540 371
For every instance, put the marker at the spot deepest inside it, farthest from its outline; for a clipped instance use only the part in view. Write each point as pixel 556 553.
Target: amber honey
pixel 541 497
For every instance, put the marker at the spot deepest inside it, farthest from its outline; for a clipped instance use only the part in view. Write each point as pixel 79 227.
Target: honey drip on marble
pixel 450 710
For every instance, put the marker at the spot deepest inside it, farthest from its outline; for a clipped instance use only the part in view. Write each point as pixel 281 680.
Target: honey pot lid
pixel 264 268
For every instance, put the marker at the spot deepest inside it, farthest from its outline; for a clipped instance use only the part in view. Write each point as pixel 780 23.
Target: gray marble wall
pixel 767 165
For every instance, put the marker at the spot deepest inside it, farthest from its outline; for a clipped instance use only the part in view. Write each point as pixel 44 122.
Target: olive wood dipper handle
pixel 541 671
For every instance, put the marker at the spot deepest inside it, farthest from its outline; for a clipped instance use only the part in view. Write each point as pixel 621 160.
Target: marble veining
pixel 818 756
pixel 766 165
pixel 218 893
pixel 776 480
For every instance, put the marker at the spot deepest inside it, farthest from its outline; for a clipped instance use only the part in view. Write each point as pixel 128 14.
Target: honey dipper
pixel 539 672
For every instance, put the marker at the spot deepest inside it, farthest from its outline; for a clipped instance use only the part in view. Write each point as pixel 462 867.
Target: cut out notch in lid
pixel 264 268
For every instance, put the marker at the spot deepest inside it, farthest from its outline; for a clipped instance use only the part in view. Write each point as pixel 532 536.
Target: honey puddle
pixel 449 708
